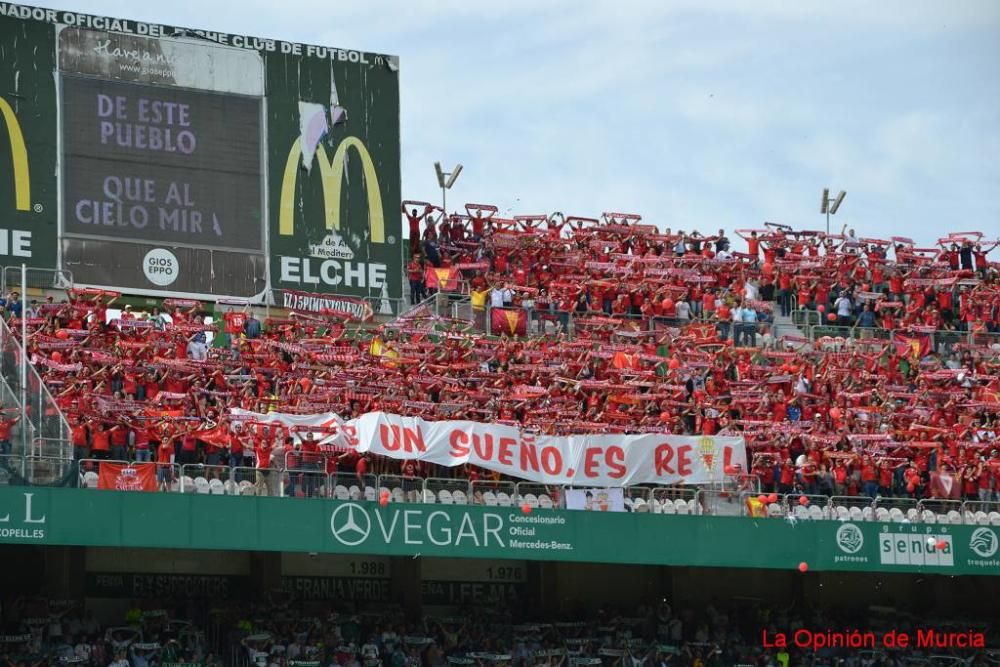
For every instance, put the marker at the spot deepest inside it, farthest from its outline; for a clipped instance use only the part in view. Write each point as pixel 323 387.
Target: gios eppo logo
pixel 849 538
pixel 983 542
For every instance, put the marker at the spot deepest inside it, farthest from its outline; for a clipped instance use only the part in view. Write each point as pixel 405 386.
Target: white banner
pixel 596 500
pixel 581 460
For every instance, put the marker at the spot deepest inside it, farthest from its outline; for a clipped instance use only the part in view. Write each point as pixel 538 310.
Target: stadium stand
pixel 855 368
pixel 282 632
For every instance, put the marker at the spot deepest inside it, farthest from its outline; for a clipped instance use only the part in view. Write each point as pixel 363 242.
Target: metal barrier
pixel 443 490
pixel 538 496
pixel 637 498
pixel 43 421
pixel 981 512
pixel 940 511
pixel 201 478
pixel 401 489
pixel 897 510
pixel 221 480
pixel 37 277
pixel 805 507
pixel 345 486
pixel 305 482
pixel 675 500
pixel 492 493
pixel 852 508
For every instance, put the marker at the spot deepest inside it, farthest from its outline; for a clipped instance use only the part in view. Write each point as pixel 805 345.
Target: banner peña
pixel 589 460
pixel 166 183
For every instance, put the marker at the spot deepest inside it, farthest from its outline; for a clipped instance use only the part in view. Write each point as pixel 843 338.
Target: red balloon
pixel 673 364
pixel 62 334
pixel 762 498
pixel 803 501
pixel 384 499
pixel 664 416
pixel 821 308
pixel 832 317
pixel 941 545
pixel 526 508
pixel 803 566
pixel 911 487
pixel 773 498
pixel 667 304
pixel 835 412
pixel 866 287
pixel 57 357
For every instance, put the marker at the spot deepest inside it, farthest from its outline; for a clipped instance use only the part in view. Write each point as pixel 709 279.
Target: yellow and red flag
pixel 444 279
pixel 509 322
pixel 912 346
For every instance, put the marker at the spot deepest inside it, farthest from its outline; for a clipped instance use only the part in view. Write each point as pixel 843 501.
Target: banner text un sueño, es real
pixel 592 460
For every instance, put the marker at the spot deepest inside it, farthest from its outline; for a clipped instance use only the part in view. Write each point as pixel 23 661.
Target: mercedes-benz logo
pixel 350 524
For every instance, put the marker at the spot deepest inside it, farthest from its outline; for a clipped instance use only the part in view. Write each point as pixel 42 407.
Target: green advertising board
pixel 28 197
pixel 110 518
pixel 196 163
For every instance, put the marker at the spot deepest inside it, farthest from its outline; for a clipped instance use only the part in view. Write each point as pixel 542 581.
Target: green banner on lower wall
pixel 111 518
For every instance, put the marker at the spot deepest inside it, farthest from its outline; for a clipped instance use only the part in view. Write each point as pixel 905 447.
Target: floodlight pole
pixel 829 205
pixel 446 179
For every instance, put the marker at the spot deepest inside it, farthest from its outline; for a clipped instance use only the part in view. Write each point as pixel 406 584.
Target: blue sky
pixel 697 115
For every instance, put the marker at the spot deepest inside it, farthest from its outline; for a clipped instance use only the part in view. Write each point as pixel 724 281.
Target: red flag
pixel 509 321
pixel 217 436
pixel 914 347
pixel 444 279
pixel 622 360
pixel 128 477
pixel 945 485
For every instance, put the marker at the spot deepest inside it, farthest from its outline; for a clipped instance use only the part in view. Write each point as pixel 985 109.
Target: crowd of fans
pixel 38 632
pixel 291 633
pixel 670 332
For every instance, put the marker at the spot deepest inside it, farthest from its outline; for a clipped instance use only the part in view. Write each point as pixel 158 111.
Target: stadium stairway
pixel 785 326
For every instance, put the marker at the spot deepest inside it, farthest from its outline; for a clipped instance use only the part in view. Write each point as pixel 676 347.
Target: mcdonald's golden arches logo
pixel 19 157
pixel 332 174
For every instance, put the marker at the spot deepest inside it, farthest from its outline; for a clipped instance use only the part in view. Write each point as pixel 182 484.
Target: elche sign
pixel 586 460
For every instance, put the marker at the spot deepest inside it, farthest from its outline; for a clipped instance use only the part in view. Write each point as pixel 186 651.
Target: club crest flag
pixel 127 477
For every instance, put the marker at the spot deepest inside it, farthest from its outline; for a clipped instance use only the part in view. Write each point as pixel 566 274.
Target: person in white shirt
pixel 496 297
pixel 737 317
pixel 844 308
pixel 683 310
pixel 749 317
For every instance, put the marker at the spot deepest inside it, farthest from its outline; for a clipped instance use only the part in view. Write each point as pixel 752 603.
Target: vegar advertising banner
pixel 588 460
pixel 28 185
pixel 182 127
pixel 88 517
